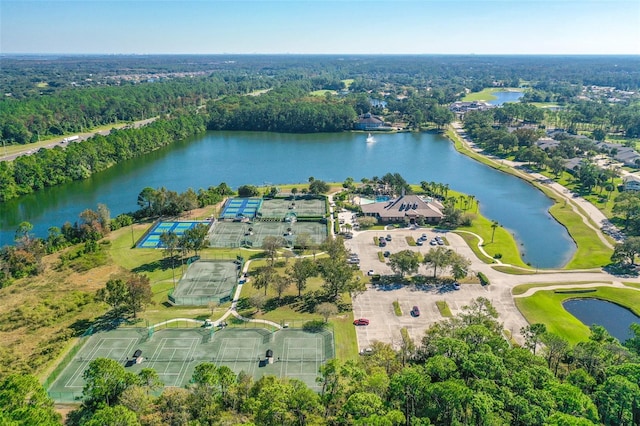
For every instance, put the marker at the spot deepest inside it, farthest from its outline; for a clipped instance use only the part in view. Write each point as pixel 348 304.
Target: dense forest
pixel 53 96
pixel 463 372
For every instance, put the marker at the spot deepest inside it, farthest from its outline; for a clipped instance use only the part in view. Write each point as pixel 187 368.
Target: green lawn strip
pixel 410 241
pixel 472 242
pixel 346 340
pixel 522 288
pixel 546 307
pixel 396 308
pixel 507 269
pixel 632 285
pixel 381 256
pixel 443 307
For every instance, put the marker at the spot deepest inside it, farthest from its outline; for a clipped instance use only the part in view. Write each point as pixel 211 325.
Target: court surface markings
pixel 193 343
pixel 93 354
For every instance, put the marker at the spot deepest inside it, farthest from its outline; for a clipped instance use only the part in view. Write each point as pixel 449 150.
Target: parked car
pixel 388 238
pixel 361 321
pixel 419 242
pixel 382 243
pixel 386 254
pixel 433 242
pixel 370 272
pixel 424 236
pixel 415 311
pixel 456 286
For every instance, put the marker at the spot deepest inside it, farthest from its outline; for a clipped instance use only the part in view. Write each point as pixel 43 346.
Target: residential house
pixel 631 182
pixel 369 122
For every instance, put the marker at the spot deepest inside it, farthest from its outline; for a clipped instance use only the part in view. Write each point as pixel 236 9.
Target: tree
pixel 246 191
pixel 459 266
pixel 280 284
pixel 300 271
pixel 113 416
pixel 326 309
pixel 303 240
pixel 437 258
pixel 494 225
pixel 532 335
pixel 139 293
pixel 24 401
pixel 318 187
pixel 169 240
pixel 114 293
pixel 196 237
pixel 555 348
pixel 263 277
pixel 627 250
pixel 404 262
pixel 105 380
pixel 150 380
pixel 271 244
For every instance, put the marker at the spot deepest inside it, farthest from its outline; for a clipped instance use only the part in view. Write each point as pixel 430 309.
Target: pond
pixel 614 318
pixel 506 96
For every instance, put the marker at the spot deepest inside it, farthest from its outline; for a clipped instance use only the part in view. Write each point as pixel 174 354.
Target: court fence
pixel 62 364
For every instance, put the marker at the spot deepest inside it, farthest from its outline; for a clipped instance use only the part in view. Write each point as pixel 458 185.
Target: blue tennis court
pixel 152 239
pixel 241 207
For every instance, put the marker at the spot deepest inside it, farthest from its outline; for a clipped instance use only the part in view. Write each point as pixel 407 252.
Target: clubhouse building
pixel 406 208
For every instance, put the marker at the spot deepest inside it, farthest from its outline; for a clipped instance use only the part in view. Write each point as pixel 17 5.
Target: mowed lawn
pixel 545 307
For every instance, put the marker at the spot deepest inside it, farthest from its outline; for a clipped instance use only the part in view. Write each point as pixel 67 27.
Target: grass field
pixel 545 307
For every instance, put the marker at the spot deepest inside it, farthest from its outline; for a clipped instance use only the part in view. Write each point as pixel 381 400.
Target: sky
pixel 320 27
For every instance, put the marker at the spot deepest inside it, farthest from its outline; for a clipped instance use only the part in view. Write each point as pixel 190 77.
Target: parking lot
pixel 376 303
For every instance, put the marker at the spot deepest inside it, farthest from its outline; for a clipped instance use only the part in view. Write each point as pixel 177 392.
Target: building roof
pixel 405 206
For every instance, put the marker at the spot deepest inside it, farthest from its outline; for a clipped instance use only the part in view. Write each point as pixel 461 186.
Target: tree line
pixel 463 371
pixel 49 167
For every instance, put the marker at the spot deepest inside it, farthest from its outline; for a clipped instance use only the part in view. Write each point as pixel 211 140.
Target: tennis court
pixel 237 234
pixel 152 238
pixel 241 207
pixel 174 354
pixel 279 208
pixel 206 281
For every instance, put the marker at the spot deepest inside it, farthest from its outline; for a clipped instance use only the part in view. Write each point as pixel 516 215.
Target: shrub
pixel 483 278
pixel 314 326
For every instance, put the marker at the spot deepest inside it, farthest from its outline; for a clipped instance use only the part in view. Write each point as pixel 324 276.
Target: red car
pixel 361 321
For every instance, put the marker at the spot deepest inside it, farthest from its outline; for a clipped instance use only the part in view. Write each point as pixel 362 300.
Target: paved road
pixel 28 149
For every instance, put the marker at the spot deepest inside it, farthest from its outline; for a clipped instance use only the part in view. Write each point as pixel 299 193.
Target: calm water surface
pixel 614 318
pixel 504 97
pixel 257 158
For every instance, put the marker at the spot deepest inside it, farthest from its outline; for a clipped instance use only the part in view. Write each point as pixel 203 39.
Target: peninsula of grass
pixel 396 308
pixel 546 307
pixel 591 252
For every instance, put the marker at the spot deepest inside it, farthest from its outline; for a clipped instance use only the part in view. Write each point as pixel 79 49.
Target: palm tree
pixel 494 225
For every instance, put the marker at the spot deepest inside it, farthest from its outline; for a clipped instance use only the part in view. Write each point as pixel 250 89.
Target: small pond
pixel 614 318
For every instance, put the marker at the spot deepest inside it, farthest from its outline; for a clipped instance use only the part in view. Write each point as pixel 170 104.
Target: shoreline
pixel 590 215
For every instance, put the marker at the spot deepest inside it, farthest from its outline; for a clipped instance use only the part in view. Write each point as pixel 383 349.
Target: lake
pixel 261 158
pixel 614 318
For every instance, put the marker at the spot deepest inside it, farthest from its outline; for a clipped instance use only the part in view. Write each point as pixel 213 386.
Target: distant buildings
pixel 369 122
pixel 460 108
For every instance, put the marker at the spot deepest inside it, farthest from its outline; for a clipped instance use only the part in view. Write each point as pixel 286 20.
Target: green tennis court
pixel 236 234
pixel 206 281
pixel 279 208
pixel 174 354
